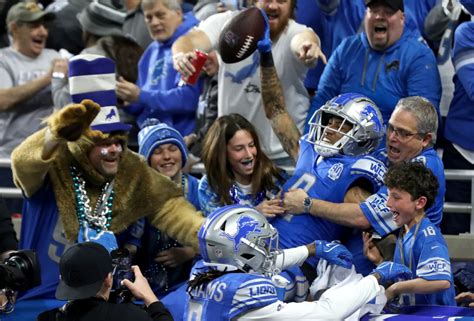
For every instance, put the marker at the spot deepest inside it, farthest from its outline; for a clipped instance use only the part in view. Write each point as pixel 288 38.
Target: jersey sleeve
pixel 463 57
pixel 254 293
pixel 370 169
pixel 433 260
pixel 377 213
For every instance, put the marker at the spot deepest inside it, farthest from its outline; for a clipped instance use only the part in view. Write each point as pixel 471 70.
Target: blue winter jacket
pixel 160 95
pixel 407 68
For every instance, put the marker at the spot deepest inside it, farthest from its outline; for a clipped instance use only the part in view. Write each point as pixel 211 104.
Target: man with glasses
pixel 385 62
pixel 411 134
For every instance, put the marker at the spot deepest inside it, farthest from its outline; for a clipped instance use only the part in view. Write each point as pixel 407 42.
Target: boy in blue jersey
pixel 240 250
pixel 411 189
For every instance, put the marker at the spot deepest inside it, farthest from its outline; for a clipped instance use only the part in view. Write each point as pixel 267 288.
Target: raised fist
pixel 73 120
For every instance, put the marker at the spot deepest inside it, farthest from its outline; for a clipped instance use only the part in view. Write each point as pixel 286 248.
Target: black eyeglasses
pixel 402 134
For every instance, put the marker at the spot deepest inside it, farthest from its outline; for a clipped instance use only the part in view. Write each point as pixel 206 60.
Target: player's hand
pixel 271 208
pixel 73 120
pixel 370 250
pixel 293 201
pixel 140 287
pixel 127 91
pixel 175 256
pixel 392 272
pixel 334 253
pixel 309 52
pixel 182 63
pixel 264 45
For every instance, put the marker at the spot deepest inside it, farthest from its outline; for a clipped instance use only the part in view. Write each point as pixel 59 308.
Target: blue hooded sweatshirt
pixel 407 68
pixel 160 95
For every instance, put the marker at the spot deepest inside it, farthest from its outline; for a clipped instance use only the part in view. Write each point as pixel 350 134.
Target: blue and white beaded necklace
pixel 100 218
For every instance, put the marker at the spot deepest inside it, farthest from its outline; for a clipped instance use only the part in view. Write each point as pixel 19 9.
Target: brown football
pixel 240 35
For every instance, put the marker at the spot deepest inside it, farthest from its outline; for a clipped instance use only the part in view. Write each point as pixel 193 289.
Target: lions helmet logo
pixel 246 225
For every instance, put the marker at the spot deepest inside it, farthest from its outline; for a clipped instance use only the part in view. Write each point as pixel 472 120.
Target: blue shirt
pixel 329 179
pixel 375 207
pixel 424 250
pixel 42 231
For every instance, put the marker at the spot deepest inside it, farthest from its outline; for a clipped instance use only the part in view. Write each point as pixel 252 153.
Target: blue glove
pixel 334 253
pixel 105 238
pixel 392 272
pixel 264 45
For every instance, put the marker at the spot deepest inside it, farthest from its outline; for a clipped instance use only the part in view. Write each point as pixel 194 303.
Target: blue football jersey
pixel 376 210
pixel 329 179
pixel 229 296
pixel 41 230
pixel 426 253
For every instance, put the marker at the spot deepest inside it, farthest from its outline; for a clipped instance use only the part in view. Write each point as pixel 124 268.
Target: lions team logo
pixel 157 71
pixel 370 114
pixel 245 226
pixel 335 171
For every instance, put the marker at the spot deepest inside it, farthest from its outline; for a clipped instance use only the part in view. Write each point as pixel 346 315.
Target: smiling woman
pixel 238 171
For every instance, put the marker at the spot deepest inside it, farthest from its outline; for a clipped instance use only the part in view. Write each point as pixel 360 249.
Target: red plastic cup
pixel 198 63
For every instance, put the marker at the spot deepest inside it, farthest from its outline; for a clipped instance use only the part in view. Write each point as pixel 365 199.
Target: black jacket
pixel 8 239
pixel 96 309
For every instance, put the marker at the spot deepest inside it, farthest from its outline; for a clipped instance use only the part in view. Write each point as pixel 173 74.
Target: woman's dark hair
pixel 218 169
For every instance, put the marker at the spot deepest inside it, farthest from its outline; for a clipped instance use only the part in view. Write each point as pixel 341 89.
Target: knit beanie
pixel 154 134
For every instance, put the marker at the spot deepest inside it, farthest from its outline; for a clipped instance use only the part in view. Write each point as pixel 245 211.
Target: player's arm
pixel 418 285
pixel 347 214
pixel 337 304
pixel 275 109
pixel 306 46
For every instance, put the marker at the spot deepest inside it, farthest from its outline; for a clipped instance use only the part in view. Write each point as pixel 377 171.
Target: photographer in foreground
pixel 86 281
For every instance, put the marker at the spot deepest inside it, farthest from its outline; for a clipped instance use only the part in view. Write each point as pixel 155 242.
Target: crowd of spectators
pixel 103 128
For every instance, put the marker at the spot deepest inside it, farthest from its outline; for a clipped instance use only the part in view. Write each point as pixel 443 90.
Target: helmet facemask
pixel 358 111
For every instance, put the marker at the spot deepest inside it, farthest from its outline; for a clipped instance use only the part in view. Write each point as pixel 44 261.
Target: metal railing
pixel 460 246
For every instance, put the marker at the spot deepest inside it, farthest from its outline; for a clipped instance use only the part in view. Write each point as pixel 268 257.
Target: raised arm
pixel 348 213
pixel 32 159
pixel 307 47
pixel 275 110
pixel 183 50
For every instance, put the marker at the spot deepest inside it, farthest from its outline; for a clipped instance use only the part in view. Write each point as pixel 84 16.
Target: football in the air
pixel 240 35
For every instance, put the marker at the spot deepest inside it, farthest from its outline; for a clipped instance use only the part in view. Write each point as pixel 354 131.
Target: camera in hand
pixel 21 271
pixel 122 263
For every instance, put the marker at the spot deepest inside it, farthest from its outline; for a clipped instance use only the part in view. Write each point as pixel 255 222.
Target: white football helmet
pixel 238 237
pixel 364 116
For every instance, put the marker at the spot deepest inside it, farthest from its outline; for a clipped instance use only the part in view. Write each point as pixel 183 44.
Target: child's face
pixel 403 207
pixel 167 160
